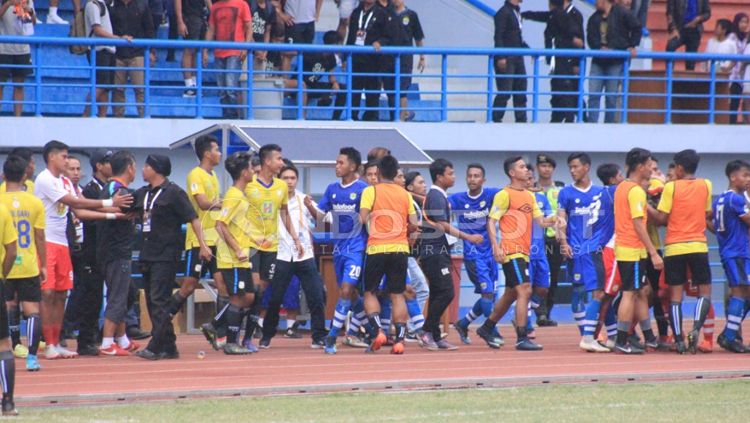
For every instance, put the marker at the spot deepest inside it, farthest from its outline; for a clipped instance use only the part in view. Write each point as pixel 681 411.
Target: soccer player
pixel 28 155
pixel 731 220
pixel 471 209
pixel 538 263
pixel 9 241
pixel 50 187
pixel 371 172
pixel 417 288
pixel 23 283
pixel 546 168
pixel 685 208
pixel 632 247
pixel 342 199
pixel 389 212
pixel 514 208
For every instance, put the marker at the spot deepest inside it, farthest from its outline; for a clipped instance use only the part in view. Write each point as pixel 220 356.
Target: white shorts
pixel 346 7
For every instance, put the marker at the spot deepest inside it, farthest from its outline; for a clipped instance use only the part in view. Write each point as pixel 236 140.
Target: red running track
pixel 291 367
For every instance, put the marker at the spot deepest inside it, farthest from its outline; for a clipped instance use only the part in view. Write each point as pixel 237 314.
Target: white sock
pixel 53 11
pixel 123 341
pixel 107 342
pixel 193 81
pixel 290 323
pixel 187 82
pixel 260 321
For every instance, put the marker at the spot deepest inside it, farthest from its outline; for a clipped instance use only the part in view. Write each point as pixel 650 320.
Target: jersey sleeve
pixel 368 198
pixel 195 185
pixel 412 209
pixel 325 201
pixel 39 222
pixel 637 202
pixel 9 234
pixel 499 205
pixel 535 210
pixel 665 203
pixel 738 205
pixel 562 200
pixel 709 197
pixel 50 188
pixel 229 208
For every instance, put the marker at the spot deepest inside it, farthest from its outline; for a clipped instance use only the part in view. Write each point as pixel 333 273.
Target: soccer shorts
pixel 392 266
pixel 195 267
pixel 300 33
pixel 612 281
pixel 587 270
pixel 239 280
pixel 23 289
pixel 676 269
pixel 59 268
pixel 264 263
pixel 482 273
pixel 633 274
pixel 737 270
pixel 348 267
pixel 540 273
pixel 516 272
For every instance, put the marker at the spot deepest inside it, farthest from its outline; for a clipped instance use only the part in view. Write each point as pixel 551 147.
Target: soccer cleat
pixel 681 348
pixel 628 349
pixel 525 344
pixel 411 337
pixel 543 321
pixel 51 353
pixel 354 342
pixel 463 333
pixel 318 344
pixel 248 343
pixel 132 346
pixel 531 334
pixel 693 341
pixel 209 332
pixel 32 363
pixel 445 345
pixel 378 341
pixel 292 333
pixel 114 350
pixel 397 348
pixel 652 345
pixel 666 343
pixel 592 345
pixel 264 343
pixel 635 342
pixel 66 353
pixel 426 340
pixel 234 349
pixel 706 347
pixel 9 409
pixel 20 351
pixel 731 346
pixel 491 339
pixel 330 345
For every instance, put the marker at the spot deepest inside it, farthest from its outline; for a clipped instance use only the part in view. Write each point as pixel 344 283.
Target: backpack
pixel 78 28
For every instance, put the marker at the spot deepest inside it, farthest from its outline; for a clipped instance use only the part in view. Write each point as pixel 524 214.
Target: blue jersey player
pixel 731 219
pixel 470 209
pixel 341 200
pixel 538 265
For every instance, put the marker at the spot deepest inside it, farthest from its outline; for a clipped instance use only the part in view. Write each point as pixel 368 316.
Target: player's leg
pixel 416 317
pixel 281 279
pixel 438 271
pixel 14 320
pixel 578 293
pixel 291 304
pixel 736 271
pixel 386 309
pixel 675 272
pixel 263 274
pixel 348 270
pixel 373 274
pixel 631 274
pixel 701 274
pixel 593 282
pixel 540 281
pixel 7 364
pixel 643 317
pixel 29 294
pixel 481 274
pixel 241 295
pixel 396 273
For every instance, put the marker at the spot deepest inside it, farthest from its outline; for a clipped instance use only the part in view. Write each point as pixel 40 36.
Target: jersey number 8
pixel 24 233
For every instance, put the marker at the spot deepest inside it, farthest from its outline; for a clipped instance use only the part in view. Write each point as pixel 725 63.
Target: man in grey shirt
pixel 12 55
pixel 299 17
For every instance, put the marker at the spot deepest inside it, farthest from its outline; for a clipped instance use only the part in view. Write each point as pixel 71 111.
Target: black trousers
pixel 735 90
pixel 564 99
pixel 437 270
pixel 312 286
pixel 555 259
pixel 691 39
pixel 158 282
pixel 85 302
pixel 369 83
pixel 511 78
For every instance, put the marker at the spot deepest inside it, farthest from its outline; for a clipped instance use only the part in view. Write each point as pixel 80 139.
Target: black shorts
pixel 239 280
pixel 23 289
pixel 516 272
pixel 12 65
pixel 196 27
pixel 632 274
pixel 391 265
pixel 303 33
pixel 676 269
pixel 195 267
pixel 105 67
pixel 264 263
pixel 4 330
pixel 652 274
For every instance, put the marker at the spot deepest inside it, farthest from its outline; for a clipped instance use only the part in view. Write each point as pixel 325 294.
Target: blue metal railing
pixel 646 96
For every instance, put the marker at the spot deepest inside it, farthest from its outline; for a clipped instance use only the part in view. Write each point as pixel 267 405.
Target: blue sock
pixel 339 315
pixel 529 325
pixel 735 311
pixel 610 321
pixel 472 315
pixel 578 307
pixel 385 315
pixel 415 314
pixel 486 305
pixel 592 317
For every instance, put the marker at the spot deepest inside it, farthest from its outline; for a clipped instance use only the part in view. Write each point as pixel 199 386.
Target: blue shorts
pixel 291 296
pixel 483 274
pixel 737 270
pixel 348 267
pixel 540 274
pixel 587 270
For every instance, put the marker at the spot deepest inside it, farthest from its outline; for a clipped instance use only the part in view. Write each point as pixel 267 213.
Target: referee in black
pixel 164 207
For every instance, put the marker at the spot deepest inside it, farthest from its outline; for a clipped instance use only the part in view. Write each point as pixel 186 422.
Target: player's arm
pixel 561 232
pixel 318 214
pixel 41 250
pixel 205 252
pixel 10 258
pixel 91 215
pixel 231 241
pixel 454 231
pixel 497 251
pixel 284 213
pixel 118 200
pixel 640 230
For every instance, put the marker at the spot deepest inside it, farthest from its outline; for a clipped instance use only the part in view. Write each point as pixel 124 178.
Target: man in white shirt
pixel 289 263
pixel 58 196
pixel 299 17
pixel 720 43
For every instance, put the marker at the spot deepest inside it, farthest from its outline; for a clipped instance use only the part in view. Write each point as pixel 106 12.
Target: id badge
pixel 79 233
pixel 146 222
pixel 361 35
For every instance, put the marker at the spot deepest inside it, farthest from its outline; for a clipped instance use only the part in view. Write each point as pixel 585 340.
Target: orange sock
pixel 708 326
pixel 48 334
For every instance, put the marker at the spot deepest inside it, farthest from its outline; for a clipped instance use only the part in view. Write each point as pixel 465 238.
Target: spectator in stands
pixel 191 25
pixel 685 25
pixel 230 20
pixel 157 9
pixel 745 68
pixel 53 17
pixel 346 7
pixel 720 43
pixel 639 8
pixel 299 16
pixel 564 31
pixel 130 18
pixel 611 27
pixel 740 30
pixel 367 27
pixel 403 29
pixel 510 71
pixel 264 16
pixel 16 19
pixel 99 25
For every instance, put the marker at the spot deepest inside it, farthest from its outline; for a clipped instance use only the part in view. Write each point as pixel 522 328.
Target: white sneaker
pixel 610 343
pixel 592 345
pixel 55 19
pixel 65 353
pixel 51 353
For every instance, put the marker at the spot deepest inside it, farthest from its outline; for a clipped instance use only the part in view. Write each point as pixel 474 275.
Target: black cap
pixel 160 164
pixel 544 158
pixel 101 155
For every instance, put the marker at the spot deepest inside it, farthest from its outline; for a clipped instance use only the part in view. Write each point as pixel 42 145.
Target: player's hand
pixel 300 248
pixel 127 38
pixel 421 64
pixel 122 200
pixel 501 64
pixel 674 34
pixel 124 216
pixel 475 239
pixel 43 274
pixel 376 45
pixel 241 254
pixel 205 253
pixel 308 201
pixel 182 29
pixel 499 254
pixel 657 261
pixel 566 251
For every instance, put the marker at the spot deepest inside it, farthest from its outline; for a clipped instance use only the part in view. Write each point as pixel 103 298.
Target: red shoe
pixel 397 348
pixel 378 342
pixel 706 346
pixel 133 346
pixel 114 350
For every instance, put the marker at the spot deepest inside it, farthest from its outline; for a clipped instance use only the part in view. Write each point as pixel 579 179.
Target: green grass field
pixel 667 402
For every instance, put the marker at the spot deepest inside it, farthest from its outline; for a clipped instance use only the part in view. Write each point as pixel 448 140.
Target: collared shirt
pixel 302 221
pixel 132 18
pixel 96 13
pixel 92 191
pixel 169 208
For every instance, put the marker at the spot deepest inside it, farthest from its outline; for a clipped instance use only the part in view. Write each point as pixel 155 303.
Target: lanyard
pixel 518 18
pixel 146 207
pixel 367 22
pixel 302 225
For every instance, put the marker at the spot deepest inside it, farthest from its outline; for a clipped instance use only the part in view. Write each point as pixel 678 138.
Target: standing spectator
pixel 740 30
pixel 720 43
pixel 564 31
pixel 158 10
pixel 191 25
pixel 367 27
pixel 346 7
pixel 13 24
pixel 299 16
pixel 685 25
pixel 403 29
pixel 611 27
pixel 510 71
pixel 131 18
pixel 264 17
pixel 230 20
pixel 639 8
pixel 746 88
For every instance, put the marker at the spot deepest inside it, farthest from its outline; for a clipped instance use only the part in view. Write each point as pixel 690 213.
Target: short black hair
pixel 388 167
pixel 236 163
pixel 410 177
pixel 726 24
pixel 203 144
pixel 438 168
pixel 557 3
pixel 736 165
pixel 372 163
pixel 266 150
pixel 291 167
pixel 530 167
pixel 509 162
pixel 14 168
pixel 71 157
pixel 23 152
pixel 332 38
pixel 476 166
pixel 606 172
pixel 120 161
pixel 584 158
pixel 254 159
pixel 53 147
pixel 671 165
pixel 688 159
pixel 352 154
pixel 636 156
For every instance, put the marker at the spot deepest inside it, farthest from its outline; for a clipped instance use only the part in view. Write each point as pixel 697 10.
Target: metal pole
pixel 444 88
pixel 199 83
pixel 37 82
pixel 712 94
pixel 668 102
pixel 625 89
pixel 300 87
pixel 147 81
pixel 348 115
pixel 490 88
pixel 535 93
pixel 581 82
pixel 397 94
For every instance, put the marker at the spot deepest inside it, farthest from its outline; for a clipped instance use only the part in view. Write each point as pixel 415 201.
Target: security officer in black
pixel 510 72
pixel 164 207
pixel 564 31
